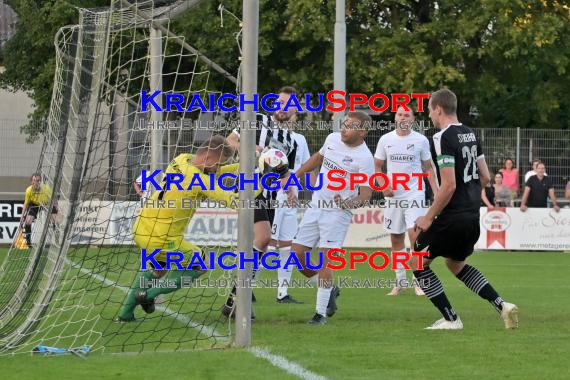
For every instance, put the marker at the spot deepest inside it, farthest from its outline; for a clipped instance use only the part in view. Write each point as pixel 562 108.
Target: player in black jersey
pixel 451 227
pixel 268 135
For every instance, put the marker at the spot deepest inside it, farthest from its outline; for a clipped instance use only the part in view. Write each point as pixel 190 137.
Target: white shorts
pixel 323 228
pixel 398 220
pixel 284 224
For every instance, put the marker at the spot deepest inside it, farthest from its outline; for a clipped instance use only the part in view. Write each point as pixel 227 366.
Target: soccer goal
pixel 66 289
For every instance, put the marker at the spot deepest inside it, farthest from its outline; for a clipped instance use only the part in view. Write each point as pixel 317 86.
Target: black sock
pixel 254 274
pixel 28 233
pixel 230 300
pixel 433 289
pixel 475 281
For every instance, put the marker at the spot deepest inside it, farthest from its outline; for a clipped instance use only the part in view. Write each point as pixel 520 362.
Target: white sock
pixel 314 279
pixel 415 281
pixel 400 271
pixel 284 274
pixel 323 296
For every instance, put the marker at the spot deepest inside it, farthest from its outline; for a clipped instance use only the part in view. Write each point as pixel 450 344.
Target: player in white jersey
pixel 326 228
pixel 266 137
pixel 285 226
pixel 404 151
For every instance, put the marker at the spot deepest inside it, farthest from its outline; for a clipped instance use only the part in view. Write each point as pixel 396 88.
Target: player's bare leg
pixel 412 235
pixel 261 240
pixel 299 251
pixel 261 235
pixel 398 245
pixel 475 281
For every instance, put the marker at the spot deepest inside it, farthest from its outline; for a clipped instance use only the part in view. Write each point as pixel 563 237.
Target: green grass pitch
pixel 371 336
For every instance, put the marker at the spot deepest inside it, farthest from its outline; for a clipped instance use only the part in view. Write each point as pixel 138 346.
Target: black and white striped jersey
pixel 276 138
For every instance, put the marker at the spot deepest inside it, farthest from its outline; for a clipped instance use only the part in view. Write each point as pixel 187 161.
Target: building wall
pixel 8 21
pixel 18 159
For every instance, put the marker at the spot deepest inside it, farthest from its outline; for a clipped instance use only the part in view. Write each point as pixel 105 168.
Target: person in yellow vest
pixel 163 228
pixel 37 195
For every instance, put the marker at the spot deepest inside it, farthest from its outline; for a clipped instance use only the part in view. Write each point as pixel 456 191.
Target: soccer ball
pixel 273 161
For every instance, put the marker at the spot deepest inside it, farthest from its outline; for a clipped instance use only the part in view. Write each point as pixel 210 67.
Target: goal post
pixel 247 164
pixel 68 288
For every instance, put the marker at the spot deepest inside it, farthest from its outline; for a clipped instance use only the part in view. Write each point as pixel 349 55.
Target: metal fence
pixel 19 159
pixel 551 146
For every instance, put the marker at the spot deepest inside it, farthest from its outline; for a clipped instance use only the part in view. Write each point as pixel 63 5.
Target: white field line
pixel 276 360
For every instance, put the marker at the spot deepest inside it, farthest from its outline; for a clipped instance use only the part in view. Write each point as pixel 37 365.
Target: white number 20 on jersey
pixel 471 155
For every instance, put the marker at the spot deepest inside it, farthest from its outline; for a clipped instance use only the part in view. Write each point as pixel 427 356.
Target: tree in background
pixel 507 60
pixel 29 56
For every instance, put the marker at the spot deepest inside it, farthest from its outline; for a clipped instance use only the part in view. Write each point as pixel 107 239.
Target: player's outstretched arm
pixel 233 140
pixel 314 162
pixel 313 180
pixel 218 194
pixel 138 188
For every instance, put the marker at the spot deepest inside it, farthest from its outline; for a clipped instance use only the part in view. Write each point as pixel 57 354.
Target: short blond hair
pixel 446 99
pixel 219 144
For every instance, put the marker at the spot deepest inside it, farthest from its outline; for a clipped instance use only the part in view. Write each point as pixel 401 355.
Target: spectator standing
pixel 532 172
pixel 537 190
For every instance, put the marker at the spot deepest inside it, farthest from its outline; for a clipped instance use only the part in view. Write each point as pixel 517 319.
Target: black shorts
pixel 34 209
pixel 261 213
pixel 451 236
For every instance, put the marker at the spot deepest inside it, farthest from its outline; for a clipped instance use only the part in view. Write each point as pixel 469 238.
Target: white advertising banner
pixel 541 229
pixel 215 226
pixel 99 222
pixel 91 222
pixel 366 229
pixel 209 226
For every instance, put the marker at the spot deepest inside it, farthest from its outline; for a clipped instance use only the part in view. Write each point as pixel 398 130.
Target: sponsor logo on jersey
pixel 466 137
pixel 331 165
pixel 402 157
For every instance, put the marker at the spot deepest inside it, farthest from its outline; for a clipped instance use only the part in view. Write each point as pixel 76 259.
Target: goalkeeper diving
pixel 163 228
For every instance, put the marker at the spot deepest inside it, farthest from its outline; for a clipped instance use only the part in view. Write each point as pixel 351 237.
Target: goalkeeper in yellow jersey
pixel 163 228
pixel 37 195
